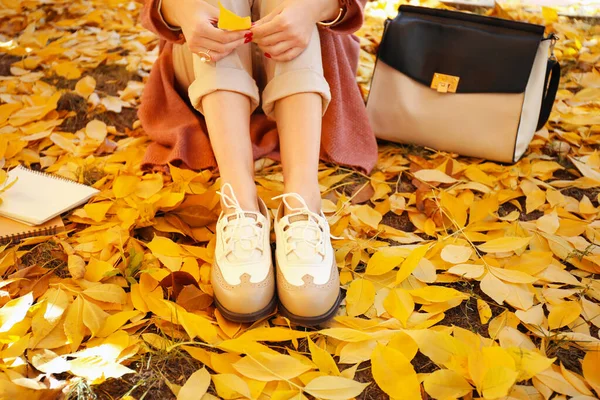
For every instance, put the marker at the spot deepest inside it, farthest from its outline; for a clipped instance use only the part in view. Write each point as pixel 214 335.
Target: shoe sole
pixel 311 321
pixel 246 318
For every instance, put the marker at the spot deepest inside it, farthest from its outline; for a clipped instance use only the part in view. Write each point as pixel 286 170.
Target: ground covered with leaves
pixel 462 278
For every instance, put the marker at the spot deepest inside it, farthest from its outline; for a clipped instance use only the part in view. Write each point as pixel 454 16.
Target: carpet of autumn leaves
pixel 463 278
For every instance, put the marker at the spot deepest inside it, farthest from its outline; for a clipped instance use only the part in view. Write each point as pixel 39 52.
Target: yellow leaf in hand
pixel 394 374
pixel 446 384
pixel 229 21
pixel 196 386
pixel 360 297
pixel 563 314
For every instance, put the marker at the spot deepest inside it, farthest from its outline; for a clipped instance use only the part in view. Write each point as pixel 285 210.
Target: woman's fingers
pixel 268 17
pixel 271 40
pixel 289 55
pixel 278 49
pixel 221 36
pixel 204 44
pixel 277 24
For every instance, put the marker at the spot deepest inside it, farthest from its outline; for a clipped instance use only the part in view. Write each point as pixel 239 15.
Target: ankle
pixel 246 196
pixel 311 197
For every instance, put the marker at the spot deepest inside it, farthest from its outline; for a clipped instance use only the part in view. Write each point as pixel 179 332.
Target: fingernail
pixel 267 55
pixel 247 40
pixel 254 23
pixel 248 35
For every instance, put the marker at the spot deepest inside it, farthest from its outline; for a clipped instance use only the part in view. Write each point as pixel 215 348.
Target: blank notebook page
pixel 38 197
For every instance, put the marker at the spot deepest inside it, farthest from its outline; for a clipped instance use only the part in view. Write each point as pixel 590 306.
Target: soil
pixel 109 79
pixel 72 102
pixel 148 382
pixel 365 375
pixel 48 255
pixel 6 61
pixel 401 222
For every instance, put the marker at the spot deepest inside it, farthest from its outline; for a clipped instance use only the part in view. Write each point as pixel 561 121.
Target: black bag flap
pixel 489 55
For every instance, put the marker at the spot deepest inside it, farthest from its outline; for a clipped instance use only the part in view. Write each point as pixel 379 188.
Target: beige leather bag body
pixel 463 83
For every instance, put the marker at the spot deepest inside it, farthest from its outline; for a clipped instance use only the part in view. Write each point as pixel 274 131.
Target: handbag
pixel 463 83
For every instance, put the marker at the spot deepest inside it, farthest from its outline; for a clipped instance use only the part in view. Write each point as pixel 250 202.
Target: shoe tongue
pixel 305 253
pixel 241 251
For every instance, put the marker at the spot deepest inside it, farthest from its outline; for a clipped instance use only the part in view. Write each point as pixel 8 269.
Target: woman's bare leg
pixel 299 120
pixel 227 117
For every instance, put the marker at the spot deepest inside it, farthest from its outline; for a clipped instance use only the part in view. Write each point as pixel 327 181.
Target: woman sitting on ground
pixel 285 89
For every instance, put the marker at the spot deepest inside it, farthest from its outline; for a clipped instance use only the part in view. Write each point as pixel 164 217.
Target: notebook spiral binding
pixel 50 230
pixel 53 176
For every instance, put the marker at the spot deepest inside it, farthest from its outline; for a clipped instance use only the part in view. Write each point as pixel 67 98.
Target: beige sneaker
pixel 242 273
pixel 308 282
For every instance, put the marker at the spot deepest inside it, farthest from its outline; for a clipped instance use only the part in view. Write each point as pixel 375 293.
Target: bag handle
pixel 550 89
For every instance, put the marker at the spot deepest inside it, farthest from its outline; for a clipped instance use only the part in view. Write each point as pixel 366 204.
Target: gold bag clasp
pixel 445 83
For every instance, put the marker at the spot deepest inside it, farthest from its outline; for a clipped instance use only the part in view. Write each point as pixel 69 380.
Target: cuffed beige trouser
pixel 248 72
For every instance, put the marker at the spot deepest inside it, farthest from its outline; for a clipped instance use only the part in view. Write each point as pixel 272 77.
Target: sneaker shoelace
pixel 304 229
pixel 242 233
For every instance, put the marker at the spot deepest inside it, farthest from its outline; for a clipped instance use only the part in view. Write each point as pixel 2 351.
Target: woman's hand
pixel 196 19
pixel 286 31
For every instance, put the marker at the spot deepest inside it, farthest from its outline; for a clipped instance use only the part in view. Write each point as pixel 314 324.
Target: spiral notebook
pixel 13 231
pixel 38 197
